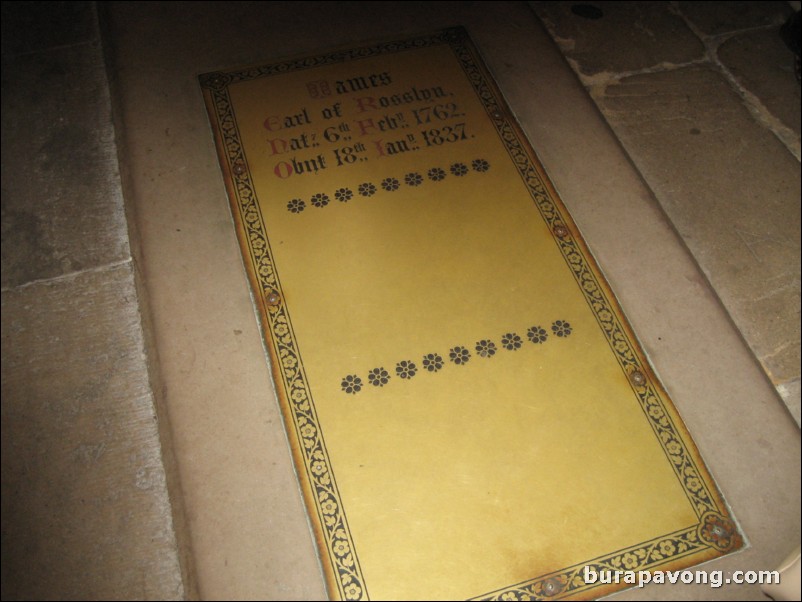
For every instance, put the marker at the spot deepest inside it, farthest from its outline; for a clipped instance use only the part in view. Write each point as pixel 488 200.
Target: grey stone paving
pixel 86 510
pixel 707 107
pixel 86 513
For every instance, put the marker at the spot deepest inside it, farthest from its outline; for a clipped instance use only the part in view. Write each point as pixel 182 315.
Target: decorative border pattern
pixel 647 556
pixel 714 532
pixel 316 464
pixel 219 81
pixel 459 355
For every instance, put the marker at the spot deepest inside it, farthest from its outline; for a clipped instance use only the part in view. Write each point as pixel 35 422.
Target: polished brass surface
pixel 469 411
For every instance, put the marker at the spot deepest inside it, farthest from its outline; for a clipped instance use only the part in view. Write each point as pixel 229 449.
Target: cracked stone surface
pixel 687 132
pixel 86 510
pixel 716 18
pixel 32 26
pixel 771 79
pixel 61 209
pixel 647 34
pixel 716 135
pixel 86 514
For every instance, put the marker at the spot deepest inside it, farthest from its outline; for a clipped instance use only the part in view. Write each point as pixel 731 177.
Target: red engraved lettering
pixel 365 125
pixel 283 170
pixel 365 103
pixel 318 89
pixel 277 146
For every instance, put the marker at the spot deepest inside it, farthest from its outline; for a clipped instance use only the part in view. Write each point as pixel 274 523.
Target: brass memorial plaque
pixel 469 412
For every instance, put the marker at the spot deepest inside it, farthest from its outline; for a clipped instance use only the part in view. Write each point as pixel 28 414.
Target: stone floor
pixel 143 453
pixel 86 510
pixel 678 80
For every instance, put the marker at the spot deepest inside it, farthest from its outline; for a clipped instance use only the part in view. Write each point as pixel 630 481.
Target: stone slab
pixel 764 66
pixel 630 36
pixel 32 26
pixel 62 209
pixel 717 18
pixel 86 513
pixel 690 137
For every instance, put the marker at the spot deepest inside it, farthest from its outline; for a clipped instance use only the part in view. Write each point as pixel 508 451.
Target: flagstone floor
pixel 143 454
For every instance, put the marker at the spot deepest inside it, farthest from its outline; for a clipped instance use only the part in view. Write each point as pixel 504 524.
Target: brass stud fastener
pixel 637 378
pixel 238 168
pixel 216 81
pixel 273 299
pixel 560 231
pixel 552 587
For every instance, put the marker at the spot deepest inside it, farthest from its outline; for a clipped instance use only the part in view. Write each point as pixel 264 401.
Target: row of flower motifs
pixel 458 355
pixel 389 184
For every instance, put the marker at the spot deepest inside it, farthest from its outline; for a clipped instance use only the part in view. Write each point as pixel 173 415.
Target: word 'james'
pixel 362 82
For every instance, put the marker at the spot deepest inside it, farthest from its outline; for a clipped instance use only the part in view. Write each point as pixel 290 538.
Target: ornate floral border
pixel 294 385
pixel 715 532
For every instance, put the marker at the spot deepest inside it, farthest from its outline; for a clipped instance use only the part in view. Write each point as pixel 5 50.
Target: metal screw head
pixel 273 299
pixel 217 80
pixel 637 378
pixel 552 587
pixel 560 231
pixel 238 168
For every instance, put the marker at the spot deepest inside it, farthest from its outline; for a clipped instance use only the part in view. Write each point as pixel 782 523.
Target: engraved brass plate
pixel 469 412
